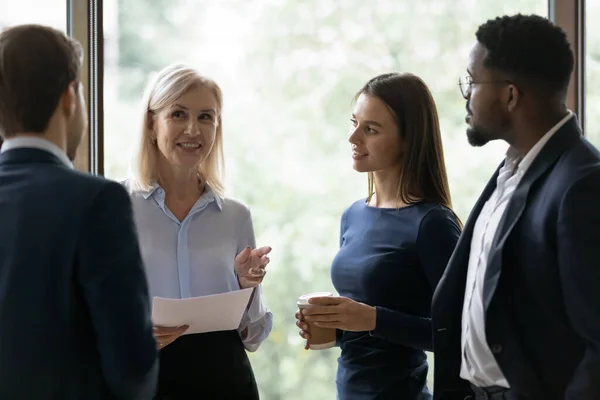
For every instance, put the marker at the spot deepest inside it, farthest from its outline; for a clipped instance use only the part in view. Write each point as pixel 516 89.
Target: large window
pixel 289 70
pixel 46 12
pixel 592 59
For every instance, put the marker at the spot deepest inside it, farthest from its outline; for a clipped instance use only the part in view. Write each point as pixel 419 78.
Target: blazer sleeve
pixel 436 240
pixel 579 266
pixel 114 284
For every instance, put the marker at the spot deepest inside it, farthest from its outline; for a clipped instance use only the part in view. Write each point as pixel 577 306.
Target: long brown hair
pixel 423 172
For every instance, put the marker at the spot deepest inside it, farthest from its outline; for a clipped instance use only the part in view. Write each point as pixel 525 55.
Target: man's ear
pixel 68 100
pixel 514 97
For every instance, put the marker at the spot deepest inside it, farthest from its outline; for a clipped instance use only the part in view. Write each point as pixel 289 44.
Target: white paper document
pixel 217 312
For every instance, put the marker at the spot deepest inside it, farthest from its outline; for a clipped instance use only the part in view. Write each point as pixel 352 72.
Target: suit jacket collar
pixel 35 142
pixel 25 155
pixel 454 279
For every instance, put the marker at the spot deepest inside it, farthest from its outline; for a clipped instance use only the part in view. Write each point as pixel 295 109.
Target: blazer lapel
pixel 454 279
pixel 542 163
pixel 464 243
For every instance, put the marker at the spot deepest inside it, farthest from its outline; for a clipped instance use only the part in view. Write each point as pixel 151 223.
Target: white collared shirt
pixel 35 143
pixel 478 363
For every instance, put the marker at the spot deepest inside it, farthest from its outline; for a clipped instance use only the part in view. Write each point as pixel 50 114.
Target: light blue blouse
pixel 195 257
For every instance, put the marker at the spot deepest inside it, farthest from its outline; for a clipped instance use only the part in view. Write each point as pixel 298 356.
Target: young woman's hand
pixel 340 313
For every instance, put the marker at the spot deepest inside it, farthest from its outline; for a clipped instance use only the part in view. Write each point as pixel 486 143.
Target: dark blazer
pixel 542 284
pixel 74 306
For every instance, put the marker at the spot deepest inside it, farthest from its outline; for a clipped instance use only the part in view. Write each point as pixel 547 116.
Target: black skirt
pixel 206 366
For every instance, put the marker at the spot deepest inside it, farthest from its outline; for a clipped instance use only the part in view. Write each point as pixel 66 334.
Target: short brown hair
pixel 423 173
pixel 37 64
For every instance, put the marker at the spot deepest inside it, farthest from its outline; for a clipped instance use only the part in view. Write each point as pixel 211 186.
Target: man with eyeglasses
pixel 517 313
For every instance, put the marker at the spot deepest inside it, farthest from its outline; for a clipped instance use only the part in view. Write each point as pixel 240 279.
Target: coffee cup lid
pixel 303 300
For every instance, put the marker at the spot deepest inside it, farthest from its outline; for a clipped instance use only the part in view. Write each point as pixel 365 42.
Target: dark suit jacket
pixel 74 306
pixel 542 284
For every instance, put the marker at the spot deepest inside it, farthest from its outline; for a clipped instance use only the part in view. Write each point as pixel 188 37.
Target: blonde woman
pixel 194 240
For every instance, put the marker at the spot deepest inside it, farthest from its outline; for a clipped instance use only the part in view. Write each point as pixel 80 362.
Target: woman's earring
pixel 153 140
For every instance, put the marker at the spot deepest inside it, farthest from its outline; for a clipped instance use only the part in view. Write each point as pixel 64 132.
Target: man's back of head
pixel 40 89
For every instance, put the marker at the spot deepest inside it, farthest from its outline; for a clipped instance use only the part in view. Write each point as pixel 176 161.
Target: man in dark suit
pixel 74 307
pixel 517 312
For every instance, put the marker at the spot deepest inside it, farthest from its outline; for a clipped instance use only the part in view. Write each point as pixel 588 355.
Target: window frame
pixel 84 23
pixel 570 15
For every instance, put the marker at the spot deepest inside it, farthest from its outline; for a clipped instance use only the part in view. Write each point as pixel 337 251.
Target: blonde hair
pixel 169 85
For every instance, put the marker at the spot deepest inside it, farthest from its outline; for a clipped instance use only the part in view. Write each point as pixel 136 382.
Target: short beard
pixel 476 138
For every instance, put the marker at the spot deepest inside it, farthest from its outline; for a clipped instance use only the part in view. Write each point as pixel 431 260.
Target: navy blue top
pixel 391 259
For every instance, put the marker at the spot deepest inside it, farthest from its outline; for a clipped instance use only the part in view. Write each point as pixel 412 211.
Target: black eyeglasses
pixel 466 84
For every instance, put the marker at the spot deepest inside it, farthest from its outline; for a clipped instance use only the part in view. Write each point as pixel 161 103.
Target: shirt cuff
pixel 257 309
